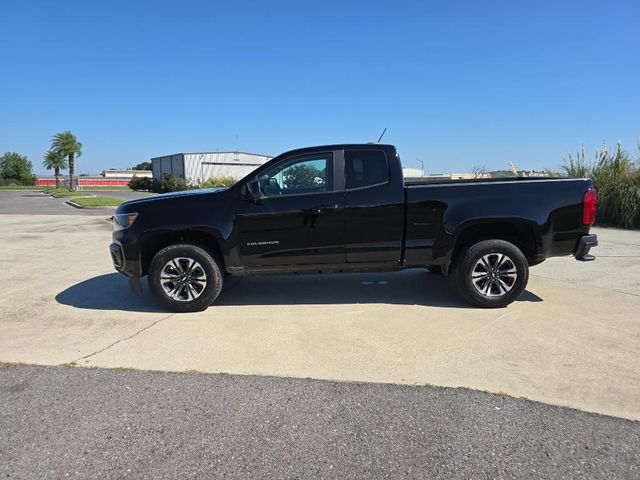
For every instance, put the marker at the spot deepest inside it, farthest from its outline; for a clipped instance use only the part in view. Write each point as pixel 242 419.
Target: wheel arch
pixel 523 234
pixel 156 241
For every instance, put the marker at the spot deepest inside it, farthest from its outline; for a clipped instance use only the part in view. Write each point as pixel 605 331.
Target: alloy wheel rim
pixel 183 279
pixel 494 275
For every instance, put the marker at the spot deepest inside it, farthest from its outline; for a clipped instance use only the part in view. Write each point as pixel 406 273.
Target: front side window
pixel 304 174
pixel 364 168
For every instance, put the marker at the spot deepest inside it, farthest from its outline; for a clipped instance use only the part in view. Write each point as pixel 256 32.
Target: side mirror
pixel 252 191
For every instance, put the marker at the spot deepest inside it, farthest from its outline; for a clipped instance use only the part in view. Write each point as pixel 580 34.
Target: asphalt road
pixel 38 203
pixel 61 422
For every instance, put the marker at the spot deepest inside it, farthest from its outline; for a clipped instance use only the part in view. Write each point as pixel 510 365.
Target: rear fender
pixel 523 233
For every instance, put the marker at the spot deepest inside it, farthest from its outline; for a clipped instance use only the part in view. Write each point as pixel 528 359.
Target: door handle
pixel 333 206
pixel 320 208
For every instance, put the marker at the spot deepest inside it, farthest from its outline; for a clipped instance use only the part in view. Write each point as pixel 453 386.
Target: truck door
pixel 374 207
pixel 300 220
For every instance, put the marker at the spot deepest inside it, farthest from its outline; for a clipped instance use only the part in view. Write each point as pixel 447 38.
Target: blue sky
pixel 457 83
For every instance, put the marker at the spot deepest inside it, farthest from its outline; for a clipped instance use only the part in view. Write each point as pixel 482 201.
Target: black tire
pixel 173 262
pixel 498 287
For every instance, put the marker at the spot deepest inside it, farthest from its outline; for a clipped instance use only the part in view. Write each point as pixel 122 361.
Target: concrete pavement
pixel 617 267
pixel 572 339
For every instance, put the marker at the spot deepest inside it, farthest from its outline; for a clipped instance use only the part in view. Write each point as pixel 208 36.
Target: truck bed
pixel 548 211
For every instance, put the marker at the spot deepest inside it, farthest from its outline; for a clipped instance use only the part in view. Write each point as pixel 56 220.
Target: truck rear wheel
pixel 491 273
pixel 185 277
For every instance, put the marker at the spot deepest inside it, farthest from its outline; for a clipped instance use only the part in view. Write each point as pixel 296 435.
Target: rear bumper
pixel 586 243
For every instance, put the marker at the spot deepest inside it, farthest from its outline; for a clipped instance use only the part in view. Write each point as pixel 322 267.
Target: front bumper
pixel 120 264
pixel 117 256
pixel 585 244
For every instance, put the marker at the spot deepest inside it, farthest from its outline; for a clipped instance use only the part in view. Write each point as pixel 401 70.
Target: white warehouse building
pixel 197 167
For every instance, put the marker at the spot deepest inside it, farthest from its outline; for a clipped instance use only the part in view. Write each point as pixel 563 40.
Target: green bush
pixel 222 181
pixel 29 181
pixel 141 183
pixel 8 182
pixel 170 183
pixel 616 178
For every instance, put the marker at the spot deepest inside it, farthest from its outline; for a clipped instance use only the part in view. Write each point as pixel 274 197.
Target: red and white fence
pixel 85 182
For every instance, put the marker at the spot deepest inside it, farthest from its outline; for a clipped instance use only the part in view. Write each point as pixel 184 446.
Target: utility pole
pixel 421 163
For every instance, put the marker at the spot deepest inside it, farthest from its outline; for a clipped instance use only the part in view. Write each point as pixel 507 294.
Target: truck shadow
pixel 411 287
pixel 108 292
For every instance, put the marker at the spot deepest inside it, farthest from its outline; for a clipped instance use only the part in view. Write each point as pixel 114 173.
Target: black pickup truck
pixel 346 208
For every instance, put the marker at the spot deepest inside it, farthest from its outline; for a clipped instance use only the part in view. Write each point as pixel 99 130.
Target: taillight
pixel 589 206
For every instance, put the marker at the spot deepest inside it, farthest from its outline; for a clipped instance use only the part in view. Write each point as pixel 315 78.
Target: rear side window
pixel 364 168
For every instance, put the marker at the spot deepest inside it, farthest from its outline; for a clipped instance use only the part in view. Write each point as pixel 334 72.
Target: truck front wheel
pixel 491 273
pixel 185 277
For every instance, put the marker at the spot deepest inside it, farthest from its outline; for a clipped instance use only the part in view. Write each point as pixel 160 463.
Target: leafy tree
pixel 16 168
pixel 67 144
pixel 54 160
pixel 301 177
pixel 143 166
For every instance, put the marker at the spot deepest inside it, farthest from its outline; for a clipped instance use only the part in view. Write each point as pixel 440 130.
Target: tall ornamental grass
pixel 616 178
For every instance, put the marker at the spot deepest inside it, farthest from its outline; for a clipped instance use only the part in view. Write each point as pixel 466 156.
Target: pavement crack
pixel 152 324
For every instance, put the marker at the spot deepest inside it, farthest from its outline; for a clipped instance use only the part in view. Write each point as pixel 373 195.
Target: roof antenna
pixel 382 134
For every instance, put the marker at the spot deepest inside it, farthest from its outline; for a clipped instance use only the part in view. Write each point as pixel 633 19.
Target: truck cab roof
pixel 340 146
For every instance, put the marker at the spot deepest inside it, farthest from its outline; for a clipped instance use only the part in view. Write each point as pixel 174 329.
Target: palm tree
pixel 67 144
pixel 55 160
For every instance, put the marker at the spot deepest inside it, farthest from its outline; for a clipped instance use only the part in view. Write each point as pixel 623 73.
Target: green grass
pixel 106 189
pixel 67 193
pixel 64 192
pixel 97 201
